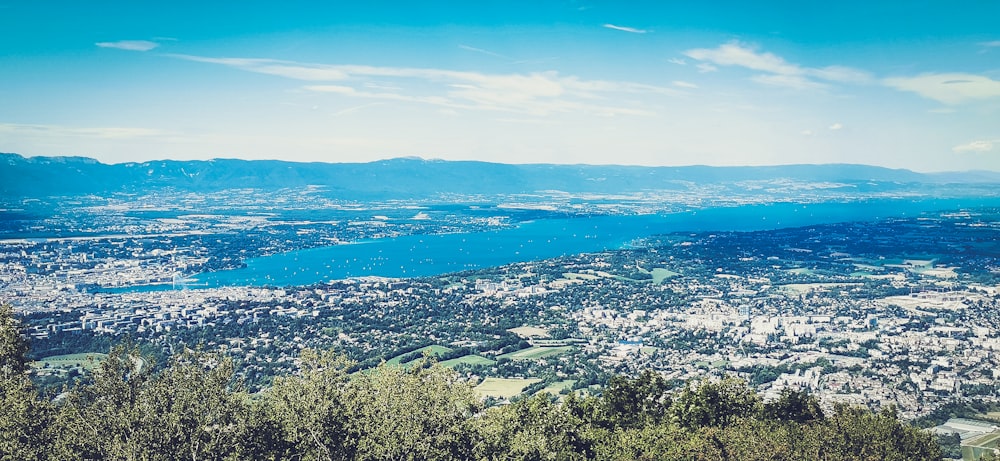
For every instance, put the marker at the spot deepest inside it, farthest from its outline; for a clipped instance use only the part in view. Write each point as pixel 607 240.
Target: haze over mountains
pixel 414 177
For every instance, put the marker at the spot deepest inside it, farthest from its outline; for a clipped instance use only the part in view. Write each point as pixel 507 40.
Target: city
pixel 899 312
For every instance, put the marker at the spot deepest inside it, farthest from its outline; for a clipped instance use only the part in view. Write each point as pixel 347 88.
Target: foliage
pixel 13 346
pixel 705 403
pixel 797 406
pixel 193 409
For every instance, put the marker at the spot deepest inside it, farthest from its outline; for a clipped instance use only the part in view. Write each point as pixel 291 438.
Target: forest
pixel 193 407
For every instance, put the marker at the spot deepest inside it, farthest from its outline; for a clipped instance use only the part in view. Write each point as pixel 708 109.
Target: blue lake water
pixel 425 255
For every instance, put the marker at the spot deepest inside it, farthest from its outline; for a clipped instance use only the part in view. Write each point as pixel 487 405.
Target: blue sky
pixel 900 84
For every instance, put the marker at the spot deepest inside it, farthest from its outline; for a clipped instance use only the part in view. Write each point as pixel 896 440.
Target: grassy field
pixel 528 332
pixel 707 364
pixel 557 387
pixel 86 361
pixel 660 274
pixel 503 388
pixel 537 352
pixel 575 276
pixel 978 445
pixel 434 348
pixel 471 359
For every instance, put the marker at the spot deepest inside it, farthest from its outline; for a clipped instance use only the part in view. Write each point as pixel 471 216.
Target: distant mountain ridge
pixel 410 177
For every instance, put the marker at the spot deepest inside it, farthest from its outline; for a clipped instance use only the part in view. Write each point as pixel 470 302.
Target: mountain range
pixel 413 177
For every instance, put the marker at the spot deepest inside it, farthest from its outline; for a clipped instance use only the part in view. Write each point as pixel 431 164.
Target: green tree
pixel 186 411
pixel 634 402
pixel 706 403
pixel 13 345
pixel 103 419
pixel 419 413
pixel 659 442
pixel 25 418
pixel 190 410
pixel 304 416
pixel 531 429
pixel 856 433
pixel 797 406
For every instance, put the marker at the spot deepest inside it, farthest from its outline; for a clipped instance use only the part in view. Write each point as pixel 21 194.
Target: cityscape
pixel 573 230
pixel 898 311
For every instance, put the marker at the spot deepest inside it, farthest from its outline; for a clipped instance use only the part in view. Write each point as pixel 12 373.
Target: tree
pixel 303 416
pixel 533 428
pixel 186 411
pixel 707 403
pixel 797 406
pixel 635 402
pixel 24 417
pixel 13 345
pixel 856 433
pixel 190 411
pixel 419 413
pixel 104 418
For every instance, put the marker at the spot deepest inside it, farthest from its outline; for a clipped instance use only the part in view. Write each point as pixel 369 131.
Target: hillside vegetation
pixel 191 408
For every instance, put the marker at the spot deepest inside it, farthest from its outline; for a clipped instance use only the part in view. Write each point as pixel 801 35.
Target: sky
pixel 909 84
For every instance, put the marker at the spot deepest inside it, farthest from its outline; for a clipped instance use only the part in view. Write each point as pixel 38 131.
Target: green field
pixel 434 349
pixel 558 386
pixel 660 274
pixel 87 360
pixel 537 352
pixel 471 359
pixel 529 332
pixel 503 388
pixel 715 364
pixel 976 447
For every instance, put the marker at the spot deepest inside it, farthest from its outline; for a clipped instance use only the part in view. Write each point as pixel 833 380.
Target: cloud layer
pixel 775 70
pixel 975 146
pixel 536 93
pixel 130 45
pixel 631 30
pixel 948 88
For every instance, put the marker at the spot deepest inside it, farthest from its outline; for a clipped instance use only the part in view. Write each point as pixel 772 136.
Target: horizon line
pixel 429 160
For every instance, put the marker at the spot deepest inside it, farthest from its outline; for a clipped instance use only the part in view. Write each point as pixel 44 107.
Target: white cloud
pixel 807 133
pixel 130 45
pixel 684 84
pixel 836 126
pixel 991 44
pixel 975 146
pixel 797 82
pixel 625 29
pixel 678 61
pixel 706 67
pixel 482 51
pixel 840 74
pixel 735 54
pixel 289 69
pixel 777 71
pixel 537 93
pixel 949 88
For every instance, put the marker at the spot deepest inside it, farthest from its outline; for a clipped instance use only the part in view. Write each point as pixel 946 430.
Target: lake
pixel 426 255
